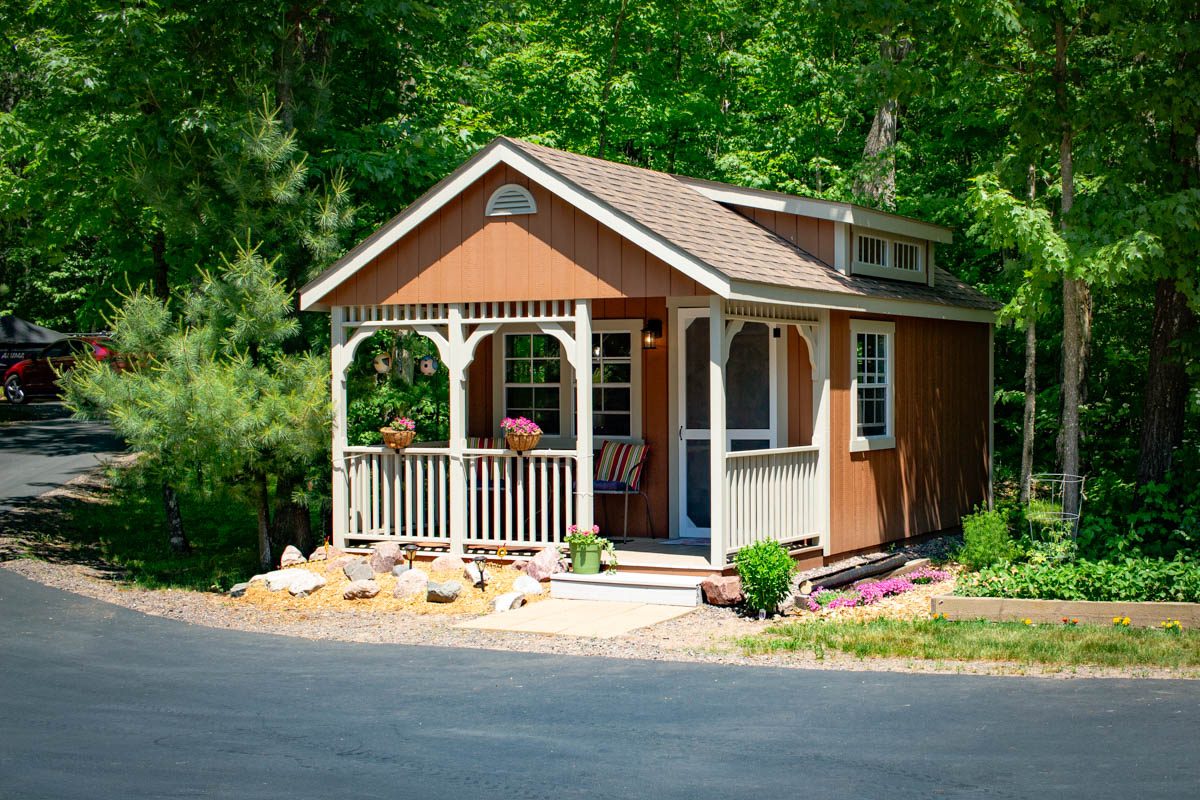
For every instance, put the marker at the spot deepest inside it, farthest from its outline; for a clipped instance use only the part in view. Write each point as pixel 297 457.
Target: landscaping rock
pixel 384 556
pixel 509 601
pixel 359 570
pixel 360 590
pixel 527 585
pixel 447 563
pixel 324 553
pixel 446 592
pixel 722 590
pixel 239 589
pixel 279 579
pixel 544 564
pixel 471 573
pixel 339 563
pixel 305 583
pixel 292 557
pixel 412 583
pixel 399 570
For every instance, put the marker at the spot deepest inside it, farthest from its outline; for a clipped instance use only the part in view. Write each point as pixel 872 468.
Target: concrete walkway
pixel 594 618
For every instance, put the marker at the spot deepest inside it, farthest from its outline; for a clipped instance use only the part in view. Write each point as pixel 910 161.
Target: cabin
pixel 796 369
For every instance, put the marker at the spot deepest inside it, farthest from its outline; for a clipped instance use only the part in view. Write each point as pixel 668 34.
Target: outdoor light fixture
pixel 480 563
pixel 410 552
pixel 776 332
pixel 651 333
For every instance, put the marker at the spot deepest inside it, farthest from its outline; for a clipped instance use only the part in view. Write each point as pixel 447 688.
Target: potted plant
pixel 399 433
pixel 520 434
pixel 586 545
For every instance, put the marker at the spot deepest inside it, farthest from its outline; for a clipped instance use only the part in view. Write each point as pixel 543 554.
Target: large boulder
pixel 527 585
pixel 412 583
pixel 508 601
pixel 360 590
pixel 443 592
pixel 447 563
pixel 722 590
pixel 359 570
pixel 326 553
pixel 292 557
pixel 305 583
pixel 278 579
pixel 546 563
pixel 384 556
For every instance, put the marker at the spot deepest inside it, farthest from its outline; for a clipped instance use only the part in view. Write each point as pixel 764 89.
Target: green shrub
pixel 1130 579
pixel 766 571
pixel 985 540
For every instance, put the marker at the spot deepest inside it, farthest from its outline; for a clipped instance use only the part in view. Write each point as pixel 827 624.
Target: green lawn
pixel 942 640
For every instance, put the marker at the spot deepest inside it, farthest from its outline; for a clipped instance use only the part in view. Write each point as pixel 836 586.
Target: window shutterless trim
pixel 888 439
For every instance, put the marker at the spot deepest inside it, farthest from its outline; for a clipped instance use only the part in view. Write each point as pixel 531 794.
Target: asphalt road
pixel 41 448
pixel 98 701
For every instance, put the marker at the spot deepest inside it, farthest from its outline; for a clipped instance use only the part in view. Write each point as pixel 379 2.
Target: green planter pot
pixel 585 558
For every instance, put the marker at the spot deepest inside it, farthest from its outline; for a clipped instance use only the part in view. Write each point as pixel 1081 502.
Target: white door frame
pixel 678 391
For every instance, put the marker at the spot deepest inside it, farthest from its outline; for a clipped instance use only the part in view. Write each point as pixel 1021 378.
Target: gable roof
pixel 723 250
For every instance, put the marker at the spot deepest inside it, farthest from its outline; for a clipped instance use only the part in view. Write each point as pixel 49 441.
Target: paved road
pixel 41 447
pixel 101 702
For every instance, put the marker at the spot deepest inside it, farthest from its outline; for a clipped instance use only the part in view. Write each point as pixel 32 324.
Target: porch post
pixel 716 428
pixel 338 361
pixel 456 363
pixel 584 512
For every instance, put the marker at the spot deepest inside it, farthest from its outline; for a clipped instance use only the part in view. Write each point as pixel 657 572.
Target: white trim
pixel 498 152
pixel 503 195
pixel 499 384
pixel 991 497
pixel 763 293
pixel 636 359
pixel 818 209
pixel 584 446
pixel 887 441
pixel 841 238
pixel 887 268
pixel 717 445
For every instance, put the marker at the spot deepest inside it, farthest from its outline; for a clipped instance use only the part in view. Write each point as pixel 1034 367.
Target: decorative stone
pixel 360 590
pixel 339 563
pixel 384 556
pixel 412 583
pixel 527 585
pixel 399 570
pixel 359 570
pixel 447 563
pixel 305 583
pixel 443 592
pixel 279 579
pixel 722 590
pixel 546 563
pixel 324 553
pixel 471 573
pixel 292 557
pixel 239 589
pixel 508 601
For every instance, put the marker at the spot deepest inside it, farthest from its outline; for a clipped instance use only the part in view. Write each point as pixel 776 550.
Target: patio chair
pixel 619 470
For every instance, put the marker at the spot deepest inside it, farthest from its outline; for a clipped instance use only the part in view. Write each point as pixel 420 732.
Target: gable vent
pixel 509 200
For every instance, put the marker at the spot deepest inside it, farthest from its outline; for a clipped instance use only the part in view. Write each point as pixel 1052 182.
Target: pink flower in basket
pixel 402 424
pixel 520 425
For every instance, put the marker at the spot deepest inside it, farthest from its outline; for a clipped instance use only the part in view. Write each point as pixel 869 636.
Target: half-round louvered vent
pixel 511 199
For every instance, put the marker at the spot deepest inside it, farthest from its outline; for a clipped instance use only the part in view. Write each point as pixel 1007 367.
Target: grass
pixel 943 640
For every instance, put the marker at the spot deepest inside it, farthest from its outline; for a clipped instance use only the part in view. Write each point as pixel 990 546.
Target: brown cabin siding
pixel 814 236
pixel 938 470
pixel 459 255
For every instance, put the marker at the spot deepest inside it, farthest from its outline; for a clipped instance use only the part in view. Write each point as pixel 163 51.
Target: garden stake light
pixel 410 552
pixel 480 563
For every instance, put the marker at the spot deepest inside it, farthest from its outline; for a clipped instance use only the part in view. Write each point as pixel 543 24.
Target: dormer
pixel 882 254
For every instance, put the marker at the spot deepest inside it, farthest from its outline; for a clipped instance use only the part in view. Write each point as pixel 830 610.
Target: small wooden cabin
pixel 801 370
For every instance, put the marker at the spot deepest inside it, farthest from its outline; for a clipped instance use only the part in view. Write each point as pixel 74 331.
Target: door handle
pixel 681 433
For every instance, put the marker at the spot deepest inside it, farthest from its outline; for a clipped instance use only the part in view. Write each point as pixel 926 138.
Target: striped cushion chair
pixel 619 470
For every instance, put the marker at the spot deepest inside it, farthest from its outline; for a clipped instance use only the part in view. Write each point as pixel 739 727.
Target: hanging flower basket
pixel 400 433
pixel 520 434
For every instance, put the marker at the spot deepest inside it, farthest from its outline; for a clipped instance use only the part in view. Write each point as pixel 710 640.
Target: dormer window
pixel 510 200
pixel 888 256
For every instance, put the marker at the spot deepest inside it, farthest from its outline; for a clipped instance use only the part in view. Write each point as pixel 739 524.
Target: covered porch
pixel 745 411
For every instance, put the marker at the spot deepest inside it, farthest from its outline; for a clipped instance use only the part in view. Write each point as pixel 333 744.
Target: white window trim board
pixel 889 272
pixel 858 443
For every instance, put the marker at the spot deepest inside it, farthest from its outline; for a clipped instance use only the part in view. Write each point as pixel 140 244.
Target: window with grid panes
pixel 533 379
pixel 612 383
pixel 873 379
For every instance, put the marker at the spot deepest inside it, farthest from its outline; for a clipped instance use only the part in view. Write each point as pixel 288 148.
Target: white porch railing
pixel 772 494
pixel 526 500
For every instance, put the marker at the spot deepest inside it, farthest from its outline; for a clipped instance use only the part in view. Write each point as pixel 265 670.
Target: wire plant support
pixel 1055 505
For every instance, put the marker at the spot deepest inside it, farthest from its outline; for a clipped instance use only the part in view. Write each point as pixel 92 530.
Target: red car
pixel 38 376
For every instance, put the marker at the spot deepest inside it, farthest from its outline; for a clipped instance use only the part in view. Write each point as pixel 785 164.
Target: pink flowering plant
pixel 584 537
pixel 402 424
pixel 520 425
pixel 870 593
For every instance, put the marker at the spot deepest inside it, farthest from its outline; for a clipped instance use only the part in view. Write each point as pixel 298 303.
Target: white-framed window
pixel 881 255
pixel 872 385
pixel 535 381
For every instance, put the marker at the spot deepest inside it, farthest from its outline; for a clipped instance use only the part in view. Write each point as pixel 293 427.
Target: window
pixel 907 256
pixel 889 256
pixel 872 250
pixel 872 391
pixel 612 384
pixel 533 379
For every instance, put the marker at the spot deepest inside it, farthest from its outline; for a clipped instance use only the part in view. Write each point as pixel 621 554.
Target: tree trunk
pixel 1030 416
pixel 263 505
pixel 175 533
pixel 606 92
pixel 1166 383
pixel 291 522
pixel 878 179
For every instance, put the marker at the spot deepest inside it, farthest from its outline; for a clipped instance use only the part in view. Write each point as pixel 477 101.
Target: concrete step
pixel 628 587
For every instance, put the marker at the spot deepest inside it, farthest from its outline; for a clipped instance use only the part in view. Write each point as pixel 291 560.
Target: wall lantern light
pixel 651 333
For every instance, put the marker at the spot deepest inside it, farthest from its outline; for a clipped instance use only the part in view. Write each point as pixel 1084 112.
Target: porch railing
pixel 772 494
pixel 510 500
